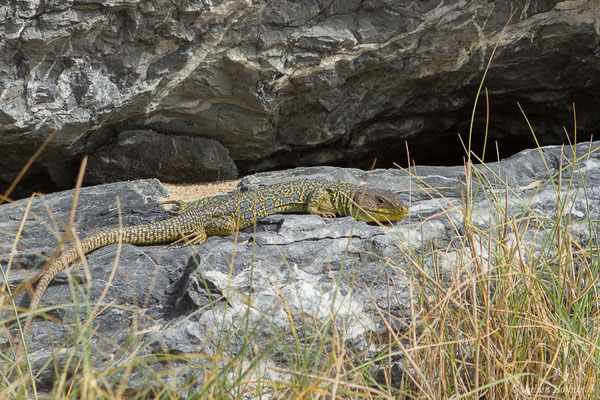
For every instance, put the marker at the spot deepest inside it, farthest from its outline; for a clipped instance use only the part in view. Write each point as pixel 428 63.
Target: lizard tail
pixel 157 232
pixel 62 262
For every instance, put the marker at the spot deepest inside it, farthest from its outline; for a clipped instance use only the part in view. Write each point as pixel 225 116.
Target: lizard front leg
pixel 224 225
pixel 319 203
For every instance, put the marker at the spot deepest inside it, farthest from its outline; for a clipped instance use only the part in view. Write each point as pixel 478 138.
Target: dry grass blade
pixel 30 317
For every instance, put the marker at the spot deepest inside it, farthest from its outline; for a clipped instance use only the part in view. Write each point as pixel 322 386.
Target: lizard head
pixel 379 205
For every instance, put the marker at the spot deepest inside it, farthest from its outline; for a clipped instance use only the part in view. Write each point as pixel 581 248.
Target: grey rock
pixel 146 154
pixel 285 84
pixel 289 267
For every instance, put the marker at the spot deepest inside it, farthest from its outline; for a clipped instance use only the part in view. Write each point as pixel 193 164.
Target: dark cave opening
pixel 448 151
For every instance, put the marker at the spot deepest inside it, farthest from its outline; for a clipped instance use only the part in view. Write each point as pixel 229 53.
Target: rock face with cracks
pixel 290 269
pixel 273 84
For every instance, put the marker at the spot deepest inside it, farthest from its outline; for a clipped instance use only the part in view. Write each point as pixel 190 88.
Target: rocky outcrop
pixel 288 269
pixel 146 154
pixel 282 84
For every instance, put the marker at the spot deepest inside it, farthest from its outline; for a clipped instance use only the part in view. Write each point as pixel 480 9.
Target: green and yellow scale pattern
pixel 193 222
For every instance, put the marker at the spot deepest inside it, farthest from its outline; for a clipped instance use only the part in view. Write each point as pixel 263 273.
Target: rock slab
pixel 180 300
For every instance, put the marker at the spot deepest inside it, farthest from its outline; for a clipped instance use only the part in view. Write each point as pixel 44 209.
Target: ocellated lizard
pixel 193 222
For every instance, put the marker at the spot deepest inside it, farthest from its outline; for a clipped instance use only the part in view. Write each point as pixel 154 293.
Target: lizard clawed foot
pixel 327 214
pixel 198 239
pixel 190 239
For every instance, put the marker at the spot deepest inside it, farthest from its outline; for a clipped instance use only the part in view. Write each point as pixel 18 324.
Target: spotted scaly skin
pixel 223 215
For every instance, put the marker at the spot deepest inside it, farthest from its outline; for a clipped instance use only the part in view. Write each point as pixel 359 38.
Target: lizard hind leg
pixel 222 226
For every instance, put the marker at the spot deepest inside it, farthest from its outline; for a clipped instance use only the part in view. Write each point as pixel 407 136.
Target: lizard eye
pixel 380 201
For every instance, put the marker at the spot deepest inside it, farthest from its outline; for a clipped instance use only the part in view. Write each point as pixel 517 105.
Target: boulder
pixel 145 154
pixel 281 84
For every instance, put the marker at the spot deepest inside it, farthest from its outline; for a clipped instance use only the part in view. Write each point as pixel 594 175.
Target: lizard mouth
pixel 368 215
pixel 379 206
